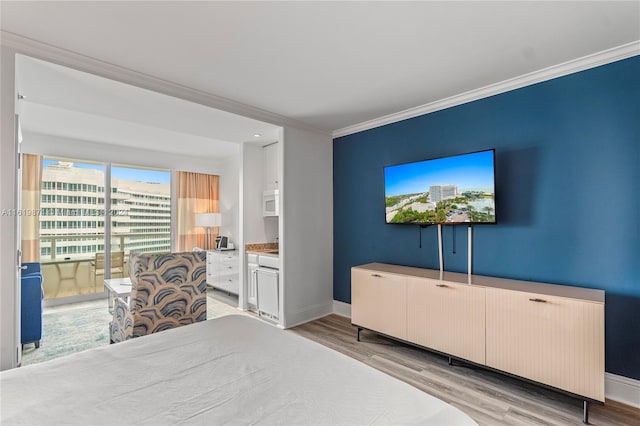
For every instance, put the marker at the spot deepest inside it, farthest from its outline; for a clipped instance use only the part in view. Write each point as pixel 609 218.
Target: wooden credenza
pixel 547 333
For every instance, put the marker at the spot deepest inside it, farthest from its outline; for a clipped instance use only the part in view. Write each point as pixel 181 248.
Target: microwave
pixel 271 203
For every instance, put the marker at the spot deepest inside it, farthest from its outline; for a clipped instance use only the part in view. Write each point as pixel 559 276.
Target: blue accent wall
pixel 567 189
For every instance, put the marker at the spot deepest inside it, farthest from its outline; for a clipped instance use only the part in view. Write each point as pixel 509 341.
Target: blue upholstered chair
pixel 31 298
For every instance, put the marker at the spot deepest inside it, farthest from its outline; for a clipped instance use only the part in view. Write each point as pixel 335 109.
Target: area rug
pixel 76 327
pixel 70 328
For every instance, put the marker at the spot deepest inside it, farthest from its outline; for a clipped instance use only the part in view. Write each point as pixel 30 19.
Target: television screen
pixel 452 190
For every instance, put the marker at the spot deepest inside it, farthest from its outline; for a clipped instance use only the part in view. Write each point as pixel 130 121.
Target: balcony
pixel 71 270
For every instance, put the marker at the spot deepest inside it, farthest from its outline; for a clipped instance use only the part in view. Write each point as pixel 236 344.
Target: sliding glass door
pixel 71 227
pixel 140 214
pixel 89 224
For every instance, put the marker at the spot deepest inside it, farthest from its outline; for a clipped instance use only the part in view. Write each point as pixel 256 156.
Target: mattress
pixel 226 371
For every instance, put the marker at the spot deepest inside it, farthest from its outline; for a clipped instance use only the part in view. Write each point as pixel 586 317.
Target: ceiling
pixel 63 102
pixel 329 64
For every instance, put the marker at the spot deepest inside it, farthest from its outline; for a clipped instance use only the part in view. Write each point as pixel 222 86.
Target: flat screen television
pixel 459 189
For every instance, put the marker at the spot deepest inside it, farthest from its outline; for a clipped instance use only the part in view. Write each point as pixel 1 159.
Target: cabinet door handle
pixel 376 275
pixel 442 285
pixel 538 300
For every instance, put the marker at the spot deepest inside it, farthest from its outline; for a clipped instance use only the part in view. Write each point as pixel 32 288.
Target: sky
pixel 139 175
pixel 467 171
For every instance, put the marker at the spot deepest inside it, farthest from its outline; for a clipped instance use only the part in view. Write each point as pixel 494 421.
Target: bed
pixel 231 370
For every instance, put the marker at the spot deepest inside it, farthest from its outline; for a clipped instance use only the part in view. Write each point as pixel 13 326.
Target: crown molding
pixel 67 58
pixel 586 62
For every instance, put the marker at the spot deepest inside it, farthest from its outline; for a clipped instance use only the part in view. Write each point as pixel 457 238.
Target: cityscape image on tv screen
pixel 449 190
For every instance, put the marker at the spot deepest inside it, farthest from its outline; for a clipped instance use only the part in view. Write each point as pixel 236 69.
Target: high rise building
pixel 442 192
pixel 72 215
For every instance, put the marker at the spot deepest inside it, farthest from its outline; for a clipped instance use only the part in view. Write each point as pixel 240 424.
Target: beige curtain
pixel 195 193
pixel 30 209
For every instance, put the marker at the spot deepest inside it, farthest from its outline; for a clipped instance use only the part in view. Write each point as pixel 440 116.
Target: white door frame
pixel 9 293
pixel 18 238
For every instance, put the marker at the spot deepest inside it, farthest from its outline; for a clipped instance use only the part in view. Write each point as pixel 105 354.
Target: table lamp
pixel 208 221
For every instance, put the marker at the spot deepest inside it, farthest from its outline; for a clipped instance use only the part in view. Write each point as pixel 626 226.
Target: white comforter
pixel 231 370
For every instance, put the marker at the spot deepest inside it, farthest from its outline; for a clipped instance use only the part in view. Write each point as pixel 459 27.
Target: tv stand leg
pixel 585 412
pixel 452 362
pixel 359 330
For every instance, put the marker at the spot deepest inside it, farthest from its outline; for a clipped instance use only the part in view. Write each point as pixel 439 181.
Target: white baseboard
pixel 309 314
pixel 342 309
pixel 617 388
pixel 622 389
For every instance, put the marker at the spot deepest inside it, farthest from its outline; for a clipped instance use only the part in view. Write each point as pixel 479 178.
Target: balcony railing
pixel 73 272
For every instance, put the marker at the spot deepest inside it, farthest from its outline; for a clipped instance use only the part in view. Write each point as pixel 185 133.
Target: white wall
pixel 38 143
pixel 252 187
pixel 8 279
pixel 306 225
pixel 229 199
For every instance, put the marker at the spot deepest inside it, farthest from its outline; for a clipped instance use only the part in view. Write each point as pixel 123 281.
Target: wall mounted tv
pixel 459 189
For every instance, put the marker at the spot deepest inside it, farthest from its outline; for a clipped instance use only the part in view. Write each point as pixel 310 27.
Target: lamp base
pixel 208 238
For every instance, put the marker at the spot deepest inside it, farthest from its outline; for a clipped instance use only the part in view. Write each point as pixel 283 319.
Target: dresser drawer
pixel 228 283
pixel 228 269
pixel 228 258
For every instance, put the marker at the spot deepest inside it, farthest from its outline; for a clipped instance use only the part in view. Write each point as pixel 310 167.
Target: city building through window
pixel 74 209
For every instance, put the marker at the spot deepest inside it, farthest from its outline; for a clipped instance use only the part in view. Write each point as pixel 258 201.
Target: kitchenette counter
pixel 263 288
pixel 263 248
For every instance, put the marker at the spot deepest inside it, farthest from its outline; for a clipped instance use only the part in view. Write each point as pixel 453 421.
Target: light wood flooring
pixel 488 397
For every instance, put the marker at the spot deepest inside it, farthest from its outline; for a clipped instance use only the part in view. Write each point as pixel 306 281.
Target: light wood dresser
pixel 546 333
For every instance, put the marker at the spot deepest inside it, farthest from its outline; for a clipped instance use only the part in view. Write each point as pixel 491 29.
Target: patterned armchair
pixel 168 291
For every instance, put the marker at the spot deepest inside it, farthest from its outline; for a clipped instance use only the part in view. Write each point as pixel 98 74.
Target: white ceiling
pixel 63 102
pixel 329 64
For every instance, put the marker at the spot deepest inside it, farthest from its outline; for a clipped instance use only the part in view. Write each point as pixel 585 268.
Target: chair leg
pixel 37 344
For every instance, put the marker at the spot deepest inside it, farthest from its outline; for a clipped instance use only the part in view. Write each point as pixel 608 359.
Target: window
pixel 140 209
pixel 73 213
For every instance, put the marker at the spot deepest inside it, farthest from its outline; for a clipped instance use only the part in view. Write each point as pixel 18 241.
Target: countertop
pixel 263 248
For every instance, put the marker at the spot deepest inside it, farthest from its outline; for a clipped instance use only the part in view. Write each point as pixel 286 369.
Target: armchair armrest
pixel 121 327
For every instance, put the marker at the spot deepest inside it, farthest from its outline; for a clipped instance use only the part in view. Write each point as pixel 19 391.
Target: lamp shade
pixel 208 220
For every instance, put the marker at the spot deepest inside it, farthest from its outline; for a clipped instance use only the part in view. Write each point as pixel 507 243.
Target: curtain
pixel 195 193
pixel 30 208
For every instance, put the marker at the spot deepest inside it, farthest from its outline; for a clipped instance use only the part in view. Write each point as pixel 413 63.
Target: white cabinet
pixel 271 166
pixel 263 284
pixel 223 270
pixel 252 281
pixel 267 286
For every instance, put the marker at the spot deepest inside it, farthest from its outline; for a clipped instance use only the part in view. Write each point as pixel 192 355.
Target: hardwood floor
pixel 490 398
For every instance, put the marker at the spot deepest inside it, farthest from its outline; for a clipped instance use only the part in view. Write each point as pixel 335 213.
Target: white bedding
pixel 230 370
